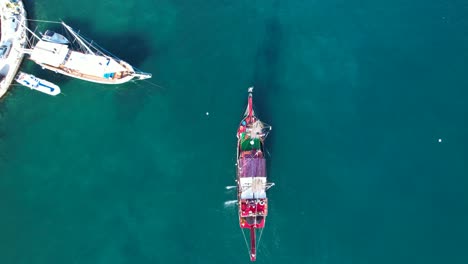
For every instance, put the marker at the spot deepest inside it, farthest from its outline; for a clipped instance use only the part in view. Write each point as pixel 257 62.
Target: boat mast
pixel 253 255
pixel 77 37
pixel 249 111
pixel 250 102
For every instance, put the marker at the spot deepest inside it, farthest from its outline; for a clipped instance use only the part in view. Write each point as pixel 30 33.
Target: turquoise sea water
pixel 358 94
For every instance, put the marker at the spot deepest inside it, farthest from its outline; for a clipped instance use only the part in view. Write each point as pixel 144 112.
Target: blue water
pixel 358 93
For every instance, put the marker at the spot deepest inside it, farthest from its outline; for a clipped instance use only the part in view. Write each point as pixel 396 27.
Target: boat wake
pixel 156 85
pixel 231 203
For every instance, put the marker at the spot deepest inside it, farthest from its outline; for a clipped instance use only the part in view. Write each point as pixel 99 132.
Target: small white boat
pixel 54 37
pixel 35 83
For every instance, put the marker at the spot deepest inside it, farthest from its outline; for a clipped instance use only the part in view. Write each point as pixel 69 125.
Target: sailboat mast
pixel 77 37
pixel 253 253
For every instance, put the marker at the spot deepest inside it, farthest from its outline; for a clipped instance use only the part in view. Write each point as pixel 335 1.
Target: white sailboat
pixel 35 83
pixel 89 62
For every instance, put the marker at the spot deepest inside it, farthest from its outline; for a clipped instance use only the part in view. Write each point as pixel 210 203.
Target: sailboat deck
pixel 116 79
pixel 49 53
pixel 75 63
pixel 93 65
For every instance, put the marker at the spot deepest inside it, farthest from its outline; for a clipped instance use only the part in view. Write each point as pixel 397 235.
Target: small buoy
pixel 440 140
pixel 207 113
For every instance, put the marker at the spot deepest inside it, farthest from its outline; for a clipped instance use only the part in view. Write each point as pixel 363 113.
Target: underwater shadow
pixel 30 9
pixel 131 47
pixel 267 66
pixel 266 73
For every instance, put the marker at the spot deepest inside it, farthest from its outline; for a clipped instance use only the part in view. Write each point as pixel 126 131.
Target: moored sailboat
pixel 251 175
pixel 87 61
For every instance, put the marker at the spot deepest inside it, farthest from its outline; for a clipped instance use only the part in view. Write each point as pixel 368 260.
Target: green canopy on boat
pixel 249 143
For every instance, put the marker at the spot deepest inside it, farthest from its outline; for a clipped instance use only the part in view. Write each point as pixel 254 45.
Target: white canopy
pixel 253 187
pixel 49 53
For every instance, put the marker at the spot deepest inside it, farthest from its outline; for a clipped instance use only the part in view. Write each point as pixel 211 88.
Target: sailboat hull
pixel 86 77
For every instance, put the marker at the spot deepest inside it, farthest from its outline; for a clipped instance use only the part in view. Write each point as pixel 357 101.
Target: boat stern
pixel 252 213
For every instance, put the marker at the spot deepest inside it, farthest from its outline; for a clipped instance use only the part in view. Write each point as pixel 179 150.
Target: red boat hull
pixel 251 175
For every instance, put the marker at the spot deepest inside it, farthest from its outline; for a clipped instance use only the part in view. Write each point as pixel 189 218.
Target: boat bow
pixel 253 245
pixel 142 75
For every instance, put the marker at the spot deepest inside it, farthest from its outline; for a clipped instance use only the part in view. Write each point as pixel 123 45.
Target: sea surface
pixel 358 94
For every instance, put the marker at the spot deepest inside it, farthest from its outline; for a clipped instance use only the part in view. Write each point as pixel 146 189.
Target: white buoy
pixel 440 140
pixel 207 113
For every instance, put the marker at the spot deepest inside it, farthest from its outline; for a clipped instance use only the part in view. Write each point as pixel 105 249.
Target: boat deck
pixel 116 79
pixel 59 57
pixel 253 207
pixel 12 41
pixel 251 166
